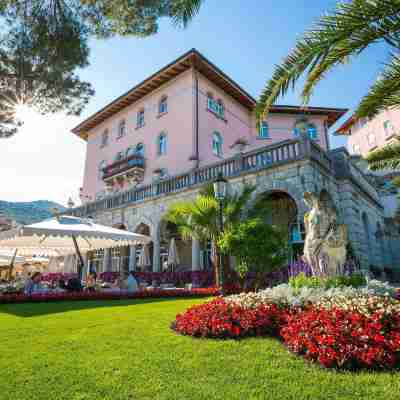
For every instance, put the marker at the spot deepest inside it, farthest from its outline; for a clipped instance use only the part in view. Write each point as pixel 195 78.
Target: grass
pixel 125 350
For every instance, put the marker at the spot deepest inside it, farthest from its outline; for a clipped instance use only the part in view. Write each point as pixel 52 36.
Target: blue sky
pixel 244 39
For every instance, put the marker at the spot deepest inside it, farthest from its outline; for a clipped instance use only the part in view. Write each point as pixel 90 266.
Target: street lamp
pixel 220 194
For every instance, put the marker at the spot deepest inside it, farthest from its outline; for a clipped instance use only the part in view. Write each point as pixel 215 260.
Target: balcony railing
pixel 123 166
pixel 260 159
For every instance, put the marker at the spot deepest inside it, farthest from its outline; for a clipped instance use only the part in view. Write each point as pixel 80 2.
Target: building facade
pixel 364 136
pixel 164 139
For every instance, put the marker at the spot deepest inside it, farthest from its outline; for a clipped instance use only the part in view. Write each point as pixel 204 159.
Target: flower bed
pixel 345 339
pixel 66 296
pixel 220 319
pixel 341 327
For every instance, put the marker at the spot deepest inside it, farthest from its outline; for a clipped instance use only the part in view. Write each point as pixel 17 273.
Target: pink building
pixel 189 122
pixel 365 135
pixel 185 116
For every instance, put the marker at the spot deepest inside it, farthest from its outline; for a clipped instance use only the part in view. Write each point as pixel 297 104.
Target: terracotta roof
pixel 344 129
pixel 188 60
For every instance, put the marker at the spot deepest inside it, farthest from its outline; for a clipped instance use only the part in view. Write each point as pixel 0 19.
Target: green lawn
pixel 125 350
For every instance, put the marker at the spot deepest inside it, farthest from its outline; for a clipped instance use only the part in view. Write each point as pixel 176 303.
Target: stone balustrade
pixel 243 163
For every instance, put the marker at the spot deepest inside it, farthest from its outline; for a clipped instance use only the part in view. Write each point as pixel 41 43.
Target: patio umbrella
pixel 6 258
pixel 144 257
pixel 173 256
pixel 63 235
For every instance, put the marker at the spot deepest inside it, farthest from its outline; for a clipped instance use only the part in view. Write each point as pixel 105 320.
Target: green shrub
pixel 301 280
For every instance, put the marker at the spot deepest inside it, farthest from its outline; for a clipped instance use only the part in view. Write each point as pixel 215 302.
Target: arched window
pixel 210 101
pixel 388 127
pixel 221 108
pixel 104 138
pixel 100 171
pixel 140 149
pixel 140 118
pixel 263 130
pixel 163 105
pixel 217 144
pixel 371 139
pixel 121 129
pixel 162 144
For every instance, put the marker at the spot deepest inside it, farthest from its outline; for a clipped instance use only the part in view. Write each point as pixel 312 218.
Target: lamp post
pixel 220 194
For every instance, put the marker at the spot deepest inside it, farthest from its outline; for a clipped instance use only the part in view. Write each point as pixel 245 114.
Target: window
pixel 371 139
pixel 217 144
pixel 119 156
pixel 140 119
pixel 356 149
pixel 100 171
pixel 162 144
pixel 163 173
pixel 104 138
pixel 121 129
pixel 388 127
pixel 210 100
pixel 140 149
pixel 163 105
pixel 312 132
pixel 221 108
pixel 263 131
pixel 216 107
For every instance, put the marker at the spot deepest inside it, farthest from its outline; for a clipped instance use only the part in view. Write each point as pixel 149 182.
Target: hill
pixel 29 212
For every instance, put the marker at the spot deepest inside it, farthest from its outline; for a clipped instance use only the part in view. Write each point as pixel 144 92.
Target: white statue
pixel 326 240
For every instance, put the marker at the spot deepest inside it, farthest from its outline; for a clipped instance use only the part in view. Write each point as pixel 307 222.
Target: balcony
pixel 129 169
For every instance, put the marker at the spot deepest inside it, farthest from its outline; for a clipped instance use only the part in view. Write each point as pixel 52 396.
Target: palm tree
pixel 199 218
pixel 386 158
pixel 349 30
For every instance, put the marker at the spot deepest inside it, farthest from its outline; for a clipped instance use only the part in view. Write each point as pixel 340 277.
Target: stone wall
pixel 294 179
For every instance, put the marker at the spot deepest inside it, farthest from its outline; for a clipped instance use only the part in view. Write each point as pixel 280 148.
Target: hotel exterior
pixel 174 132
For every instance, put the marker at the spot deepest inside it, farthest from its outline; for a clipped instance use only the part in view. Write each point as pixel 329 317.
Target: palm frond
pixel 384 93
pixel 332 41
pixel 386 158
pixel 183 11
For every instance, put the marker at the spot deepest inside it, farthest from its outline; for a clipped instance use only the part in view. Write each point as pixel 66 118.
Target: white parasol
pixel 65 235
pixel 144 257
pixel 173 256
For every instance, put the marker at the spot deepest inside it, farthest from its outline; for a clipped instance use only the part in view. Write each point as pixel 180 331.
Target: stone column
pixel 106 260
pixel 85 269
pixel 156 253
pixel 132 258
pixel 196 255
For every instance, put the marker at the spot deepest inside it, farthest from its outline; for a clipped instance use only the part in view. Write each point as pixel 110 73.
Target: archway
pixel 169 231
pixel 280 210
pixel 143 229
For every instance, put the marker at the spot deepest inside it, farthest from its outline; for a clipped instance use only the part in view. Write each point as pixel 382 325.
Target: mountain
pixel 29 212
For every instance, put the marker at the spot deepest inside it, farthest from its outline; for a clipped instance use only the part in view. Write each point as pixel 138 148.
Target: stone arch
pixel 120 226
pixel 285 187
pixel 144 220
pixel 283 210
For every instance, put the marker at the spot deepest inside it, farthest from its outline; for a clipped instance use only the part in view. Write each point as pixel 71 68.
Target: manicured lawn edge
pixel 143 294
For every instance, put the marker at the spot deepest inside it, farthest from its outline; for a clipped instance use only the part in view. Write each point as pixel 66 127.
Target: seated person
pixel 132 284
pixel 74 285
pixel 32 285
pixel 91 283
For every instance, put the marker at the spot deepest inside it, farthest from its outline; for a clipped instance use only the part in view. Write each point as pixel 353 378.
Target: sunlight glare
pixel 25 114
